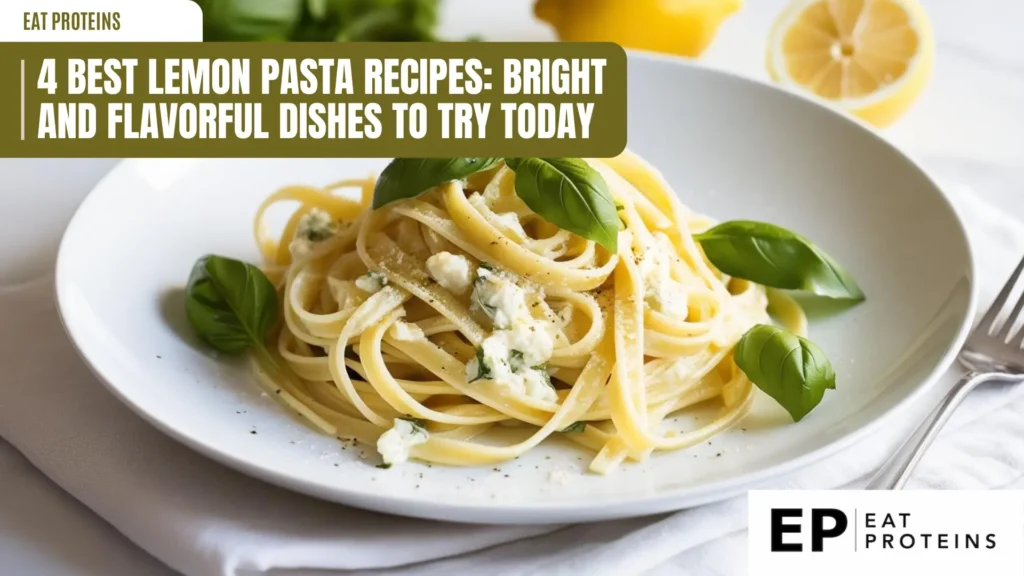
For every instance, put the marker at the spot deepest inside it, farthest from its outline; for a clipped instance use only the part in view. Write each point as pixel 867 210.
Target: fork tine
pixel 1011 320
pixel 1004 331
pixel 1018 340
pixel 988 321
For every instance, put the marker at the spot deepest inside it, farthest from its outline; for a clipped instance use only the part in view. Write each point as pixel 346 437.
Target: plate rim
pixel 549 512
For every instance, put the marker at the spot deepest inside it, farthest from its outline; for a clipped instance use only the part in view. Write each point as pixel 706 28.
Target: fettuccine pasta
pixel 419 326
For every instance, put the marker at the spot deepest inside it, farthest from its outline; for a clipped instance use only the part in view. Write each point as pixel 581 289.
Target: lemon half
pixel 869 57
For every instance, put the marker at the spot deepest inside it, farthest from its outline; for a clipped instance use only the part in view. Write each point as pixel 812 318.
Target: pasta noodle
pixel 420 326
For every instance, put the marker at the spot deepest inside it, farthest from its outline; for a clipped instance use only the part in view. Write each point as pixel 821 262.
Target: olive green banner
pixel 91 100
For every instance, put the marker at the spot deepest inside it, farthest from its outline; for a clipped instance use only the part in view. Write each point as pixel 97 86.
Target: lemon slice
pixel 869 57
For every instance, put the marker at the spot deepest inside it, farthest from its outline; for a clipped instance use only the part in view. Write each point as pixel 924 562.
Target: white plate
pixel 732 148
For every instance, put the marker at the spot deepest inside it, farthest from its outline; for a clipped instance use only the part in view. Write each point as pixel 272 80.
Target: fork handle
pixel 895 472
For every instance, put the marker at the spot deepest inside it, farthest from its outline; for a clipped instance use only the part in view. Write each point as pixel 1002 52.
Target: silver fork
pixel 992 354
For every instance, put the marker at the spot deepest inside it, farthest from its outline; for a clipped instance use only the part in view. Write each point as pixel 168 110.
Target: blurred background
pixel 964 110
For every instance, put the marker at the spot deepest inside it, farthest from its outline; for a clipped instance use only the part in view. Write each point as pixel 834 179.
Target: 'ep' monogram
pixel 780 527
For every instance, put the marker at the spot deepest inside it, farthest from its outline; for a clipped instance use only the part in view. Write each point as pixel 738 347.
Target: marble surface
pixel 968 128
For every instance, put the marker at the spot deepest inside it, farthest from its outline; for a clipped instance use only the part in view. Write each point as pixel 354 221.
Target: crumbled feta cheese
pixel 491 361
pixel 661 291
pixel 452 271
pixel 526 345
pixel 671 298
pixel 371 282
pixel 507 222
pixel 499 298
pixel 473 368
pixel 405 331
pixel 315 226
pixel 395 444
pixel 530 339
pixel 513 356
pixel 533 382
pixel 565 315
pixel 510 221
pixel 537 384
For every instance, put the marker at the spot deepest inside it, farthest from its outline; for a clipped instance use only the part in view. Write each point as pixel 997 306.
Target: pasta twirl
pixel 419 326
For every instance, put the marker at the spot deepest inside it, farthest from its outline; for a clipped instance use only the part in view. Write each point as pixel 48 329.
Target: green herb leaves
pixel 570 194
pixel 418 424
pixel 484 370
pixel 408 177
pixel 772 256
pixel 564 191
pixel 319 20
pixel 790 369
pixel 575 428
pixel 231 304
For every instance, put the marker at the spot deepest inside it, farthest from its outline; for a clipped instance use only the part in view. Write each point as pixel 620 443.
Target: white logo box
pixel 907 532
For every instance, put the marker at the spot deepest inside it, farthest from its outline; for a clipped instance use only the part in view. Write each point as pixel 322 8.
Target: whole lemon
pixel 683 27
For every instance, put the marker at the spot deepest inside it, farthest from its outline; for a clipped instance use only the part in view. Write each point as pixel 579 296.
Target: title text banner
pixel 312 99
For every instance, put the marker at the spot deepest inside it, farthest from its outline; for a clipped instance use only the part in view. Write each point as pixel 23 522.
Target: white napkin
pixel 203 519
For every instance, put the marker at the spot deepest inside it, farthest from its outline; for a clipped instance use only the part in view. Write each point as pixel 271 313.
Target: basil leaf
pixel 231 304
pixel 392 21
pixel 317 8
pixel 773 256
pixel 250 20
pixel 408 177
pixel 790 369
pixel 570 194
pixel 575 428
pixel 319 20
